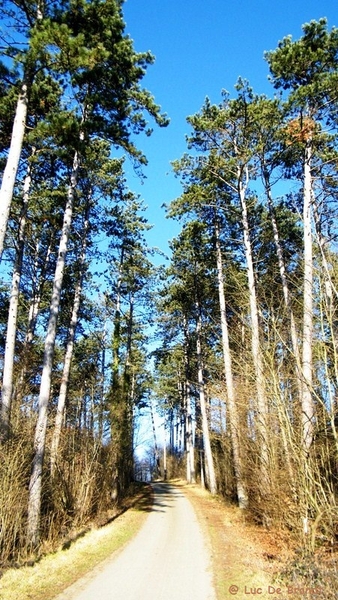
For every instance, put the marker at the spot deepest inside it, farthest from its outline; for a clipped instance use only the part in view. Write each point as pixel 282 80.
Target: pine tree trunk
pixel 12 164
pixel 35 485
pixel 157 470
pixel 262 412
pixel 15 149
pixel 307 402
pixel 101 407
pixel 285 287
pixel 38 285
pixel 190 450
pixel 232 408
pixel 115 390
pixel 209 460
pixel 69 350
pixel 330 292
pixel 32 320
pixel 7 382
pixel 283 415
pixel 128 400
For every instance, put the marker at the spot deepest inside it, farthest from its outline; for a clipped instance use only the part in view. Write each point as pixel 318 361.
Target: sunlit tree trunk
pixel 115 390
pixel 262 411
pixel 101 407
pixel 285 286
pixel 307 401
pixel 209 460
pixel 35 485
pixel 232 408
pixel 331 292
pixel 157 470
pixel 15 149
pixel 38 286
pixel 69 351
pixel 127 439
pixel 12 164
pixel 7 382
pixel 33 313
pixel 190 450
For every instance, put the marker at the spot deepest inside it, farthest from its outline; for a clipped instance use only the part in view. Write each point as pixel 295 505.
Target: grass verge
pixel 54 573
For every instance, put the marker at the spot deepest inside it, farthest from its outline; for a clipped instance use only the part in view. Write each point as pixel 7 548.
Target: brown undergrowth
pixel 250 560
pixel 79 554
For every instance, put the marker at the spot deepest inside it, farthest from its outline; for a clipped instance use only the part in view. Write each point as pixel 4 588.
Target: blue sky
pixel 202 47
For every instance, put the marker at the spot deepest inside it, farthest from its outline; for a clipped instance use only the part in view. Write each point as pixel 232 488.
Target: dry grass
pixel 239 557
pixel 245 557
pixel 257 561
pixel 55 572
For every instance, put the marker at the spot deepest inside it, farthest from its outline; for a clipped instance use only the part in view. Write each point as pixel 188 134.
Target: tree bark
pixel 232 408
pixel 7 381
pixel 13 159
pixel 38 285
pixel 32 320
pixel 307 401
pixel 15 149
pixel 157 470
pixel 35 485
pixel 285 286
pixel 69 350
pixel 209 460
pixel 330 292
pixel 190 450
pixel 262 411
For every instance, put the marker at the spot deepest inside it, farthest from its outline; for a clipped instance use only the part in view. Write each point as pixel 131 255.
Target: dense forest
pixel 245 313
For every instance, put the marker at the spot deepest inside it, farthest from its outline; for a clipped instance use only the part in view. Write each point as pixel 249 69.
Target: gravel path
pixel 167 560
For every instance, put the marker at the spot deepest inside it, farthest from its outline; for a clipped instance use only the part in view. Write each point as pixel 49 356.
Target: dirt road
pixel 167 560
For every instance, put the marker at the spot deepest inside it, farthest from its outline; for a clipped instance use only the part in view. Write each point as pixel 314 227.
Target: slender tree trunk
pixel 157 470
pixel 255 341
pixel 117 330
pixel 128 400
pixel 190 450
pixel 32 320
pixel 165 472
pixel 209 460
pixel 69 350
pixel 307 401
pixel 283 415
pixel 103 375
pixel 7 382
pixel 331 292
pixel 121 409
pixel 285 286
pixel 38 285
pixel 12 164
pixel 114 401
pixel 15 149
pixel 232 408
pixel 35 485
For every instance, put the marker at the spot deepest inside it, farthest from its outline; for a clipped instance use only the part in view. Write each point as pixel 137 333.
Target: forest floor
pixel 247 559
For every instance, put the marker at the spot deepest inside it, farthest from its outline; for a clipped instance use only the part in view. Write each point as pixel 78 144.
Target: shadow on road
pixel 162 498
pixel 164 495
